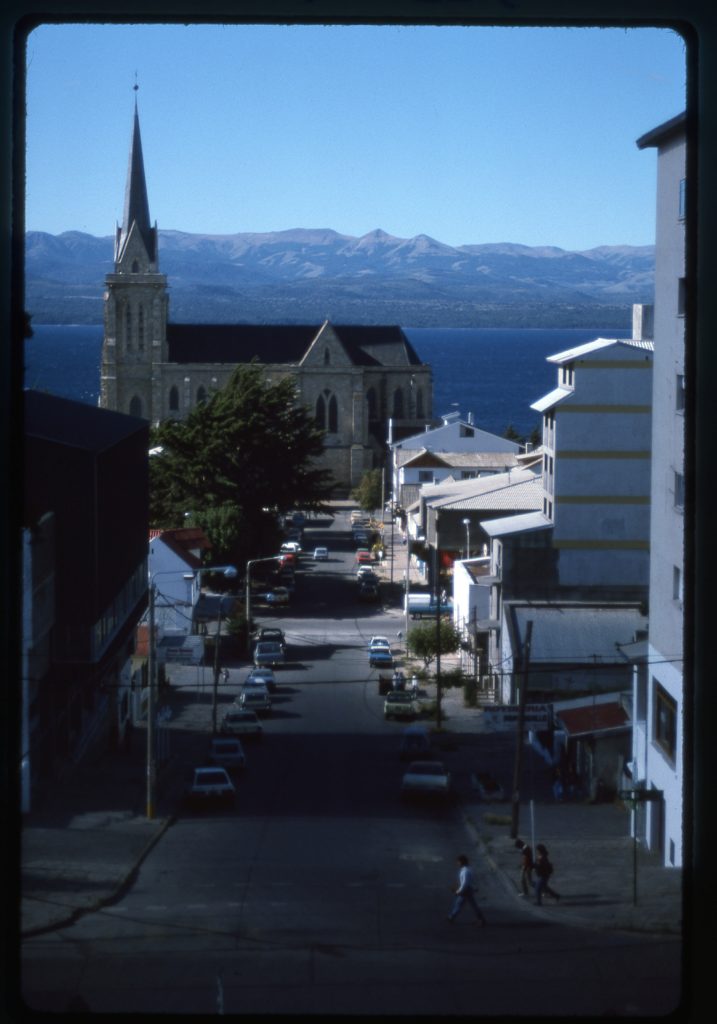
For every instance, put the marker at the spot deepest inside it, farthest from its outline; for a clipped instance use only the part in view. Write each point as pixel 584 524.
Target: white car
pixel 379 643
pixel 279 595
pixel 209 786
pixel 321 554
pixel 430 778
pixel 290 547
pixel 238 722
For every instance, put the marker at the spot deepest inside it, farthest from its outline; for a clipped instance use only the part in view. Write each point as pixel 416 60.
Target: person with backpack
pixel 543 870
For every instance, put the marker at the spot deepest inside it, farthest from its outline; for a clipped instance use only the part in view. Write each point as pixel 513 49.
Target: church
pixel 356 380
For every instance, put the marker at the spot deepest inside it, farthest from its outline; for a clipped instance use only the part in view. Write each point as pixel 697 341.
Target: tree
pixel 369 491
pixel 422 640
pixel 236 463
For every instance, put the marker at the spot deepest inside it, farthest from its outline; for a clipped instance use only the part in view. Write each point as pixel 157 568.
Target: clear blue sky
pixel 469 135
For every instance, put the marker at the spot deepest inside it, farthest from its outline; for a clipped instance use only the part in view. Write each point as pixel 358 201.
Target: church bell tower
pixel 135 304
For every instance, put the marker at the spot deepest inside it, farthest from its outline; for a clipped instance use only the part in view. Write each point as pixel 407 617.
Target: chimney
pixel 470 418
pixel 643 322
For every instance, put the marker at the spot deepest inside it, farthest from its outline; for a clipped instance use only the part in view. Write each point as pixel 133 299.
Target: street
pixel 323 891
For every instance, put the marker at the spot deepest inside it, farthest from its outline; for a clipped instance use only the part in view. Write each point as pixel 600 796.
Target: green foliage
pixel 423 640
pixel 369 492
pixel 236 462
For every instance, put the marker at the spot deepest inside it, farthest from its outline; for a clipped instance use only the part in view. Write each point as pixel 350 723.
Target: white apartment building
pixel 597 428
pixel 658 734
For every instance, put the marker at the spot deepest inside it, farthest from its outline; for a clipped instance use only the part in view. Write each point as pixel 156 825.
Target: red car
pixel 363 556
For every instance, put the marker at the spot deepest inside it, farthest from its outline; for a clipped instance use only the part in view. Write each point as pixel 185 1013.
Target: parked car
pixel 369 592
pixel 254 698
pixel 399 704
pixel 210 785
pixel 272 634
pixel 290 547
pixel 488 788
pixel 415 742
pixel 261 676
pixel 365 572
pixel 239 722
pixel 226 752
pixel 364 556
pixel 379 642
pixel 269 652
pixel 430 778
pixel 279 595
pixel 321 554
pixel 380 657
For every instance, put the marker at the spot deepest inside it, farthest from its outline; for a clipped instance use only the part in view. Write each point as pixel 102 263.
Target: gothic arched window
pixel 201 395
pixel 174 399
pixel 140 329
pixel 135 266
pixel 419 404
pixel 372 404
pixel 333 415
pixel 135 406
pixel 398 404
pixel 128 328
pixel 320 413
pixel 327 357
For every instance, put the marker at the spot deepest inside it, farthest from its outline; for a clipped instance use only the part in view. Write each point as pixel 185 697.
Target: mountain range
pixel 308 275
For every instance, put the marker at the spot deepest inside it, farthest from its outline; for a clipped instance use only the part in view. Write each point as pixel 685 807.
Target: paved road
pixel 322 892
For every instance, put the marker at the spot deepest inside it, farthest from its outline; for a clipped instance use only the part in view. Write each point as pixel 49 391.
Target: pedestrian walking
pixel 465 893
pixel 543 870
pixel 526 867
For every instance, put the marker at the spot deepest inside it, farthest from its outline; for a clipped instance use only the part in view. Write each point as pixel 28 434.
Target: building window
pixel 680 392
pixel 333 415
pixel 467 431
pixel 681 296
pixel 419 404
pixel 201 395
pixel 683 198
pixel 677 584
pixel 174 399
pixel 567 375
pixel 327 357
pixel 320 413
pixel 398 404
pixel 372 405
pixel 140 329
pixel 135 406
pixel 665 723
pixel 679 491
pixel 425 476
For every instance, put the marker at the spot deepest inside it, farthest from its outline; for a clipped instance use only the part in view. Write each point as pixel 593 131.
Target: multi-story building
pixel 658 735
pixel 352 378
pixel 86 516
pixel 596 464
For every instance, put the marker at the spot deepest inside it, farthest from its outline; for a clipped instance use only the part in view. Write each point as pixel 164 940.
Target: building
pixel 86 517
pixel 456 447
pixel 354 379
pixel 659 732
pixel 175 558
pixel 597 440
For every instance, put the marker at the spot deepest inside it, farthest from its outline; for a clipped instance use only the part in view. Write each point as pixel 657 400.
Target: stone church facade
pixel 353 379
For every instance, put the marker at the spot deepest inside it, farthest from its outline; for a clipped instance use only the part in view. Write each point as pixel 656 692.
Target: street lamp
pixel 252 561
pixel 467 524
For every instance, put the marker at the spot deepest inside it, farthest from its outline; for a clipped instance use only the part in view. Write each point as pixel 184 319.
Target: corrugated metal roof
pixel 516 495
pixel 471 460
pixel 598 345
pixel 592 718
pixel 524 523
pixel 575 633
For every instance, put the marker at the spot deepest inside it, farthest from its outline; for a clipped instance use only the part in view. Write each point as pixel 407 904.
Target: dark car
pixel 271 634
pixel 380 658
pixel 368 592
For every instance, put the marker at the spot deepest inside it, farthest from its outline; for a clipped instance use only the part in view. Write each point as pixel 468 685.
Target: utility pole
pixel 522 700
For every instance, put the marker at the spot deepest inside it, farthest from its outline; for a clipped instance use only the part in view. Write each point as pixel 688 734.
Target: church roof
pixel 284 343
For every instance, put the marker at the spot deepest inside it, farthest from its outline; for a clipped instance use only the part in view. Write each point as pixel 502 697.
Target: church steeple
pixel 136 205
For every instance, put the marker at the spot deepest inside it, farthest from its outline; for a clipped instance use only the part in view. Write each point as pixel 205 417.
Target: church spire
pixel 136 205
